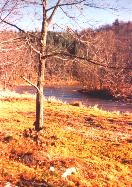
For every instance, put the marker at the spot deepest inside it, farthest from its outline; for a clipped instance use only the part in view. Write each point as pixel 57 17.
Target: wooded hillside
pixel 106 50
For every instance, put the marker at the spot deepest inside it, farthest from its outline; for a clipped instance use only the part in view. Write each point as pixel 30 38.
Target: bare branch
pixel 11 40
pixel 82 58
pixel 11 10
pixel 54 11
pixel 93 5
pixel 13 25
pixel 31 2
pixel 33 48
pixel 67 4
pixel 30 83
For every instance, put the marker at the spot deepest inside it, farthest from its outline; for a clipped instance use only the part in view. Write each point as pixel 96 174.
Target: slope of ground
pixel 94 145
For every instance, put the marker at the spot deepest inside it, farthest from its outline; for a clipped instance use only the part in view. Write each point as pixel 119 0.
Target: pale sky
pixel 94 17
pixel 88 17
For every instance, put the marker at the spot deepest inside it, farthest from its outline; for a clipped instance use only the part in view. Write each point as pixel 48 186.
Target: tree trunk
pixel 39 96
pixel 41 69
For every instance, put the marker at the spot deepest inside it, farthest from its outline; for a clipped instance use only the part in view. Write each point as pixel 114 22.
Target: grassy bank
pixel 94 143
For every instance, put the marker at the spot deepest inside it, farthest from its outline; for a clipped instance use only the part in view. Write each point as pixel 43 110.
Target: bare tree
pixel 48 11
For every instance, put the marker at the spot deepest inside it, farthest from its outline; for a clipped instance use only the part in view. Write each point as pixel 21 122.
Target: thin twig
pixel 30 83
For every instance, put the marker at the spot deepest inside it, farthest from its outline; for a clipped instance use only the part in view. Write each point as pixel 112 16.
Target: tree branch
pixel 30 83
pixel 33 48
pixel 82 58
pixel 2 19
pixel 54 10
pixel 32 3
pixel 92 5
pixel 13 25
pixel 11 40
pixel 66 4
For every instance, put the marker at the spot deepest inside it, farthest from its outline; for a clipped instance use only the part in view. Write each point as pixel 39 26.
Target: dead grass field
pixel 96 143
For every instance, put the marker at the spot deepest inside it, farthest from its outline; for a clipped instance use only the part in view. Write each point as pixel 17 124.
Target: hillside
pixel 93 144
pixel 106 50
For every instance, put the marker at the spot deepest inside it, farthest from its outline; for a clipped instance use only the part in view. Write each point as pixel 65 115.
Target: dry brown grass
pixel 95 142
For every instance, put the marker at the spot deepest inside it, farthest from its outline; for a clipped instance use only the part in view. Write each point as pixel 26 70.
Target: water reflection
pixel 71 94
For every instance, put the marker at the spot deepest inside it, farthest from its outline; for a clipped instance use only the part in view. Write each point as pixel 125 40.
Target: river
pixel 71 93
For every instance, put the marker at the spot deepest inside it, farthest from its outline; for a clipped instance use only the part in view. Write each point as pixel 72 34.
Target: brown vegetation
pixel 111 46
pixel 105 45
pixel 95 142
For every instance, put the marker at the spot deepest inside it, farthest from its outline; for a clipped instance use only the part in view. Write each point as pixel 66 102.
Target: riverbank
pixel 93 144
pixel 74 94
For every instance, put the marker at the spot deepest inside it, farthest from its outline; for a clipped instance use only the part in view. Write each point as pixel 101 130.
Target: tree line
pixel 110 45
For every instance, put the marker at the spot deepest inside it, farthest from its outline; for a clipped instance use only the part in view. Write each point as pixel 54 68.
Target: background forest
pixel 109 47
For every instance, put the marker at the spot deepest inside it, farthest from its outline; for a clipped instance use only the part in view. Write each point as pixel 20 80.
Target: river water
pixel 71 93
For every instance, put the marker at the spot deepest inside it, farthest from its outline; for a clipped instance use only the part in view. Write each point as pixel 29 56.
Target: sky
pixel 95 17
pixel 82 17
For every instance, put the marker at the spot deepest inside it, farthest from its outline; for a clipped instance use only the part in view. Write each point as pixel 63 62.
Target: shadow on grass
pixel 32 182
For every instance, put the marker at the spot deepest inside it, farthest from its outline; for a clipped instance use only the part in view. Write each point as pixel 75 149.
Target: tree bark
pixel 41 70
pixel 39 96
